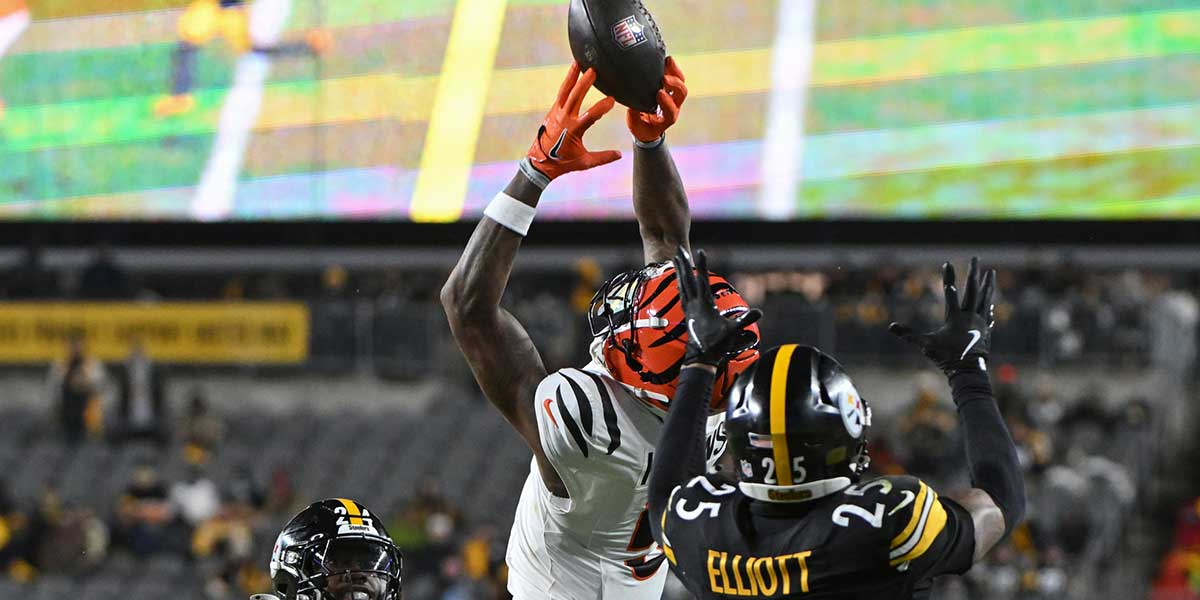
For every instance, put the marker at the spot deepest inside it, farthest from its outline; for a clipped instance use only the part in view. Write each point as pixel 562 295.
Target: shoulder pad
pixel 581 403
pixel 916 517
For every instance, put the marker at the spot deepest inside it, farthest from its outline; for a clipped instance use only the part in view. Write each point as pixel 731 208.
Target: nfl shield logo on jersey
pixel 747 469
pixel 628 33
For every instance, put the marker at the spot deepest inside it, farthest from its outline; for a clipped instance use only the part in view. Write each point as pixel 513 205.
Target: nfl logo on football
pixel 628 33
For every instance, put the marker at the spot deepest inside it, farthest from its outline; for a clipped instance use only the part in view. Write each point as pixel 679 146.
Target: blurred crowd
pixel 1054 313
pixel 1090 464
pixel 1092 461
pixel 198 522
pixel 210 523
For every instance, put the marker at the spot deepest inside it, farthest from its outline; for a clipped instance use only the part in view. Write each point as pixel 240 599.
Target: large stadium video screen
pixel 419 109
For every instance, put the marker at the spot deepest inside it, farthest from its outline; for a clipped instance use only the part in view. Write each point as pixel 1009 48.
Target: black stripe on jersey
pixel 610 413
pixel 581 402
pixel 572 426
pixel 662 287
pixel 649 466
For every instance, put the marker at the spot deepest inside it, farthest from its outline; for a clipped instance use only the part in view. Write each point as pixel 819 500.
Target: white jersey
pixel 597 544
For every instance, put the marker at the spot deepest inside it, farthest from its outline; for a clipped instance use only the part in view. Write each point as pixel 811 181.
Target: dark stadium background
pixel 1079 110
pixel 1095 353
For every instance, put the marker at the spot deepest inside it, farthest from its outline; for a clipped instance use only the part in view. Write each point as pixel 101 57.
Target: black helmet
pixel 340 540
pixel 796 426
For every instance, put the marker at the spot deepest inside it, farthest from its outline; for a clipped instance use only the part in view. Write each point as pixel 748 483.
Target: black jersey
pixel 882 539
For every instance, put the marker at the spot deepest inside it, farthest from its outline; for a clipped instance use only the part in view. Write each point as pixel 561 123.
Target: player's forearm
pixel 991 453
pixel 659 202
pixel 477 282
pixel 680 454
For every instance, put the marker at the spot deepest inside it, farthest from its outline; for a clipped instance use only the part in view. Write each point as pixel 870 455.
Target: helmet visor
pixel 357 555
pixel 612 306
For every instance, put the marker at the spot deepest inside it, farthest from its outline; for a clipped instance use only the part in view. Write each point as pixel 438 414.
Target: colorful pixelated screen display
pixel 420 109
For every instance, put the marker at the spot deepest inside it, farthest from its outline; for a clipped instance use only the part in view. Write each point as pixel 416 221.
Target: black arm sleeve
pixel 680 455
pixel 991 453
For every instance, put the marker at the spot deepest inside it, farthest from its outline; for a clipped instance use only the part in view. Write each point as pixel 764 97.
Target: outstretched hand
pixel 963 341
pixel 647 127
pixel 559 148
pixel 711 336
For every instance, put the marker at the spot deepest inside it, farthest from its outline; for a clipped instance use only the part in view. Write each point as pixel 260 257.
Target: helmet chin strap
pixel 802 492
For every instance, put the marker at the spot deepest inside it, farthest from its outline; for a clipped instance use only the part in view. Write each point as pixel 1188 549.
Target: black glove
pixel 711 336
pixel 962 343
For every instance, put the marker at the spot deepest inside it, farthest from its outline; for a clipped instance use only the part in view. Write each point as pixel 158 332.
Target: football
pixel 620 40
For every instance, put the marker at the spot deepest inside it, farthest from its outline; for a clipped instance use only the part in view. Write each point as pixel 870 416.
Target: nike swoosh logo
pixel 975 337
pixel 691 329
pixel 553 153
pixel 546 405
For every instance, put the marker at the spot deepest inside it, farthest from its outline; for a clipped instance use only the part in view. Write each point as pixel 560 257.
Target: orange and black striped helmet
pixel 640 333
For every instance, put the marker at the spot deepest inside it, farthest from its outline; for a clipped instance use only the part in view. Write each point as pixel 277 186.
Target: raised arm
pixel 502 357
pixel 960 348
pixel 681 450
pixel 659 200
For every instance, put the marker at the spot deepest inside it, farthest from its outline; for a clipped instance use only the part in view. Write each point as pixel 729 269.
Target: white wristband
pixel 511 213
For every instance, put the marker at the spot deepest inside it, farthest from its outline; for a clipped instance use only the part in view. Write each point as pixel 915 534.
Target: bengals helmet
pixel 639 333
pixel 335 549
pixel 796 426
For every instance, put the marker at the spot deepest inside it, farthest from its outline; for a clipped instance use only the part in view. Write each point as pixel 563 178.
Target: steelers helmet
pixel 639 333
pixel 335 549
pixel 796 426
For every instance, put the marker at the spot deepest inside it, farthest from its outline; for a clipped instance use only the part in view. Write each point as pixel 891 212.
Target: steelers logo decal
pixel 853 413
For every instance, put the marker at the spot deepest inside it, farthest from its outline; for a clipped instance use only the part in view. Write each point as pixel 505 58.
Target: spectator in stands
pixel 335 283
pixel 483 561
pixel 202 432
pixel 66 539
pixel 1179 572
pixel 103 279
pixel 236 579
pixel 227 535
pixel 196 497
pixel 226 539
pixel 14 539
pixel 75 385
pixel 140 407
pixel 425 530
pixel 144 514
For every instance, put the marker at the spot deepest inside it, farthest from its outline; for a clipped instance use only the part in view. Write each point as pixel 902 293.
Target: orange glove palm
pixel 559 145
pixel 647 127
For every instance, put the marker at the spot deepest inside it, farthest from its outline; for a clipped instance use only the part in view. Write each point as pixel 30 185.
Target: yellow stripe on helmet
pixel 352 510
pixel 779 376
